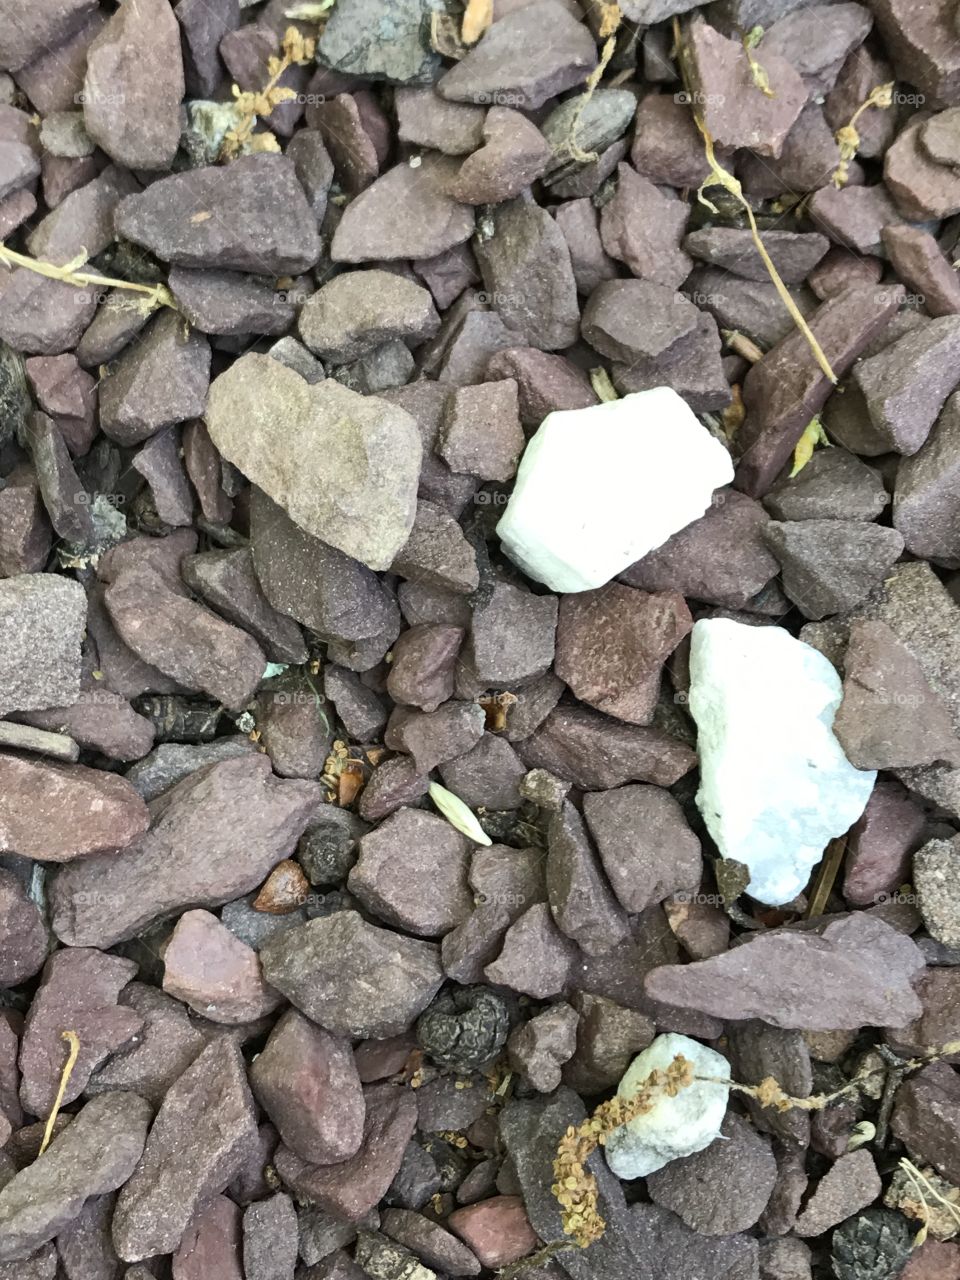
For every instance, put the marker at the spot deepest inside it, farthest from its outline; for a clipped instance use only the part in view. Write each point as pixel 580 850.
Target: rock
pixel 133 86
pixel 23 937
pixel 211 1244
pixel 594 752
pixel 215 973
pixel 920 264
pixel 511 639
pixel 829 566
pixel 539 1048
pixel 906 384
pixel 259 221
pixel 437 554
pixel 350 1189
pixel 79 990
pixel 850 1185
pixel 357 311
pixel 674 1126
pixel 879 844
pixel 545 382
pixel 362 711
pixel 834 485
pixel 433 738
pixel 556 473
pixel 203 1133
pixel 412 873
pixel 487 776
pixel 936 874
pixel 734 113
pixel 29 36
pixel 190 856
pixel 799 705
pixel 227 302
pixel 295 729
pixel 481 433
pixel 25 534
pixel 923 1119
pixel 513 66
pixel 497 1230
pixel 432 220
pixel 170 762
pixel 437 1248
pixel 924 508
pixel 856 972
pixel 424 119
pixel 921 188
pixel 890 717
pixel 608 1036
pixel 667 148
pixel 96 1154
pixel 63 495
pixel 347 999
pixel 721 1188
pixel 59 812
pixel 341 489
pixel 380 41
pixel 580 224
pixel 526 268
pixel 42 621
pixel 643 226
pixel 83 220
pixel 85 1246
pixel 612 644
pixel 227 582
pixel 794 254
pixel 580 899
pixel 270 1239
pixel 536 957
pixel 39 316
pixel 513 155
pixel 629 320
pixel 422 670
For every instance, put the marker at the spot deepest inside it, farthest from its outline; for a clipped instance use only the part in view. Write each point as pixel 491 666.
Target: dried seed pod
pixel 284 889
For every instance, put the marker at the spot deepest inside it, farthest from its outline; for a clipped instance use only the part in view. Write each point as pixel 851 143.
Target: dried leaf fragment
pixel 477 16
pixel 458 814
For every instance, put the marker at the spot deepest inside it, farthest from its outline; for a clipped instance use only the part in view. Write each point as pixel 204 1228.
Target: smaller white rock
pixel 775 786
pixel 598 488
pixel 673 1127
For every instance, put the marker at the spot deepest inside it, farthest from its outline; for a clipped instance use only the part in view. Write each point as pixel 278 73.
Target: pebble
pixel 481 433
pixel 412 873
pixel 513 65
pixel 432 220
pixel 346 999
pixel 380 40
pixel 538 1049
pixel 514 154
pixel 357 311
pixel 259 220
pixel 936 875
pixel 433 738
pixel 829 566
pixel 526 269
pixel 608 1037
pixel 643 226
pixel 545 382
pixel 667 147
pixel 856 972
pixel 674 1126
pixel 906 384
pixel 580 224
pixel 424 119
pixel 921 265
pixel 921 188
pixel 203 1134
pixel 437 554
pixel 849 1186
pixel 924 508
pixel 211 1244
pixel 23 937
pixel 487 776
pixel 722 1188
pixel 354 488
pixel 834 485
pixel 190 856
pixel 631 319
pixel 766 817
pixel 536 957
pixel 59 812
pixel 215 973
pixel 670 467
pixel 581 901
pixel 270 1239
pixel 226 580
pixel 422 666
pixel 96 1154
pixel 512 637
pixel 78 989
pixel 42 623
pixel 25 534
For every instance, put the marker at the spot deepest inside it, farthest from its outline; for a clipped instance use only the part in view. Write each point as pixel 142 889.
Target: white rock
pixel 673 1127
pixel 775 785
pixel 598 488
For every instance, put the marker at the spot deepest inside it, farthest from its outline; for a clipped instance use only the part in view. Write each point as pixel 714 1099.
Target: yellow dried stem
pixel 477 16
pixel 609 25
pixel 74 1042
pixel 760 78
pixel 602 385
pixel 847 137
pixel 297 50
pixel 155 295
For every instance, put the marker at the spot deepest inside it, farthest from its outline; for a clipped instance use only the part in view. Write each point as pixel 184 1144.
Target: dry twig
pixel 74 1041
pixel 155 295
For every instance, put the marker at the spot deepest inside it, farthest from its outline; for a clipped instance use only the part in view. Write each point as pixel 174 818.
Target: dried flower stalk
pixel 848 138
pixel 74 1042
pixel 297 50
pixel 155 295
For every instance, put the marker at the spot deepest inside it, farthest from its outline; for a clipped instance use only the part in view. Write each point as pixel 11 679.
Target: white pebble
pixel 598 488
pixel 775 786
pixel 676 1126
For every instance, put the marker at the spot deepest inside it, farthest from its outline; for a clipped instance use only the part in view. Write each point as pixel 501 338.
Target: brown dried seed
pixel 283 890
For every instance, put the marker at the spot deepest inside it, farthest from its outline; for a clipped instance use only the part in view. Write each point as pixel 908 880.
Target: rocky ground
pixel 479 641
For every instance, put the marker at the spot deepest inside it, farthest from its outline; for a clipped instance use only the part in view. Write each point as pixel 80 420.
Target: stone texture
pixel 422 672
pixel 513 155
pixel 380 41
pixel 487 776
pixel 580 898
pixel 380 983
pixel 211 1244
pixel 481 433
pixel 270 1239
pixel 227 582
pixel 215 973
pixel 850 1185
pixel 834 485
pixel 643 226
pixel 511 638
pixel 545 382
pixel 857 972
pixel 437 554
pixel 424 119
pixel 41 621
pixel 437 1247
pixel 921 188
pixel 23 937
pixel 536 957
pixel 794 254
pixel 924 501
pixel 357 311
pixel 354 486
pixel 497 1230
pixel 829 566
pixel 936 875
pixel 190 857
pixel 920 264
pixel 906 384
pixel 540 1047
pixel 203 1133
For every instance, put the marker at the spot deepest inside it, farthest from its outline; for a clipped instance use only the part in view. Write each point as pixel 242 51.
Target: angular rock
pixel 227 302
pixel 921 188
pixel 511 638
pixel 30 35
pixel 936 874
pixel 580 224
pixel 829 566
pixel 97 1152
pixel 433 738
pixel 834 485
pixel 921 265
pixel 211 1244
pixel 556 474
pixel 481 433
pixel 227 582
pixel 513 65
pixel 259 219
pixel 190 857
pixel 856 972
pixel 23 938
pixel 215 973
pixel 344 467
pixel 631 319
pixel 42 621
pixel 204 1132
pixel 25 535
pixel 579 896
pixel 487 776
pixel 171 762
pixel 924 504
pixel 525 264
pixel 643 226
pixel 880 844
pixel 497 1230
pixel 667 147
pixel 545 382
pixel 906 384
pixel 849 1186
pixel 437 554
pixel 83 221
pixel 536 957
pixel 612 644
pixel 357 311
pixel 424 119
pixel 45 317
pixel 437 1248
pixel 380 41
pixel 539 1048
pixel 513 155
pixel 79 990
pixel 270 1239
pixel 794 254
pixel 60 488
pixel 58 812
pixel 422 670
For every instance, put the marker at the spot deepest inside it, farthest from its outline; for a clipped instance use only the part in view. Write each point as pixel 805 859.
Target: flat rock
pixel 856 972
pixel 481 433
pixel 343 466
pixel 668 468
pixel 215 973
pixel 922 266
pixel 227 582
pixel 512 637
pixel 380 983
pixel 924 503
pixel 545 382
pixel 357 311
pixel 921 188
pixel 258 218
pixel 28 36
pixel 630 319
pixel 759 683
pixel 643 226
pixel 190 857
pixel 429 1241
pixel 23 938
pixel 830 566
pixel 424 119
pixel 848 1186
pixel 203 1134
pixel 96 1154
pixel 229 302
pixel 42 620
pixel 211 1245
pixel 171 762
pixel 430 220
pixel 270 1239
pixel 380 40
pixel 513 155
pixel 133 86
pixel 512 65
pixel 906 384
pixel 581 902
pixel 437 554
pixel 794 254
pixel 612 644
pixel 58 812
pixel 834 485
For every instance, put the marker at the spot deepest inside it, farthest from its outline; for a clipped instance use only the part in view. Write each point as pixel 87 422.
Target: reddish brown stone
pixel 214 972
pixel 497 1230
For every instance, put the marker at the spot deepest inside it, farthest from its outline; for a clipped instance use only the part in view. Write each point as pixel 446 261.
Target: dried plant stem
pixel 741 345
pixel 74 1041
pixel 608 29
pixel 924 1188
pixel 155 295
pixel 848 137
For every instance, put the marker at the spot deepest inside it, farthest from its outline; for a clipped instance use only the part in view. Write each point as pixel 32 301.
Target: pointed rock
pixel 829 566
